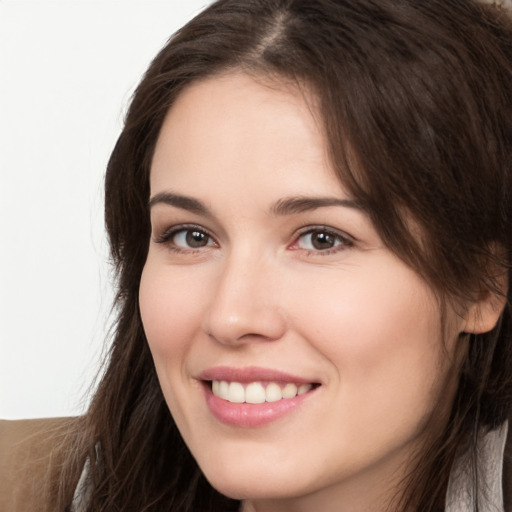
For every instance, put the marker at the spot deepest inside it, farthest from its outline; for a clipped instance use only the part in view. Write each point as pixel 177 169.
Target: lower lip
pixel 252 415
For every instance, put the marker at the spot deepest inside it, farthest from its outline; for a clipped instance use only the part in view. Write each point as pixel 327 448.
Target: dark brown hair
pixel 415 97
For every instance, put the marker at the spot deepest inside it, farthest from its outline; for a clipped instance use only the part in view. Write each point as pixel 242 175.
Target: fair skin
pixel 242 274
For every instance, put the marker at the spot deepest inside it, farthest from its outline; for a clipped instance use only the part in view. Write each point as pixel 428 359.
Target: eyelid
pixel 346 239
pixel 167 234
pixel 326 228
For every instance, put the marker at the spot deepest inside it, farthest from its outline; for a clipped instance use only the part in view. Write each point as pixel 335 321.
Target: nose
pixel 245 304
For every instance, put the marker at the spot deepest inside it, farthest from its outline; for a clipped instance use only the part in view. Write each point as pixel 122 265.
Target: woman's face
pixel 267 283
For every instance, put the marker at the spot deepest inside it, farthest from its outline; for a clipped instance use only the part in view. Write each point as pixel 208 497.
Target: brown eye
pixel 191 239
pixel 321 240
pixel 196 239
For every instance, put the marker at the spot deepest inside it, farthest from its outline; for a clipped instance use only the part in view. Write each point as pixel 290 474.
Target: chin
pixel 239 483
pixel 258 483
pixel 243 490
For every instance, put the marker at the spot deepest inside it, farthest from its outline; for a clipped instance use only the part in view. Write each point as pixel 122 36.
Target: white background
pixel 67 70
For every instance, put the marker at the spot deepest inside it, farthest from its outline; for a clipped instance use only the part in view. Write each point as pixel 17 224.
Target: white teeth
pixel 236 393
pixel 289 391
pixel 304 389
pixel 273 393
pixel 223 390
pixel 255 392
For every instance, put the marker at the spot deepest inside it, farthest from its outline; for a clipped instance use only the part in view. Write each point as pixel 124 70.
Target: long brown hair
pixel 416 101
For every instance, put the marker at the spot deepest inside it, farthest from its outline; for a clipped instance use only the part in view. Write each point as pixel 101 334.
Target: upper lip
pixel 250 374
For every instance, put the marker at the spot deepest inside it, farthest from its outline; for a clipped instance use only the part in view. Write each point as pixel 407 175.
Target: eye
pixel 186 238
pixel 322 240
pixel 191 238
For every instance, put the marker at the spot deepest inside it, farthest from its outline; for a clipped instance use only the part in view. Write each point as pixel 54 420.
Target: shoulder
pixel 28 448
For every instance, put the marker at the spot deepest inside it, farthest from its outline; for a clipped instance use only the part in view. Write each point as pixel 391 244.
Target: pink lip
pixel 250 374
pixel 251 415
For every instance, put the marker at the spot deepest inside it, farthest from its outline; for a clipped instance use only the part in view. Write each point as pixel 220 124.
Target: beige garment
pixel 27 449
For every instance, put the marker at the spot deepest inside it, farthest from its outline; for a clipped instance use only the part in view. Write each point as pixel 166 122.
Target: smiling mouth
pixel 258 392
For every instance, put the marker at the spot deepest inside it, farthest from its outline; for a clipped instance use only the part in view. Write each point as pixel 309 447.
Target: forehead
pixel 234 126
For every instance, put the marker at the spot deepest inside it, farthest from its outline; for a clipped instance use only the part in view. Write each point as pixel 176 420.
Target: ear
pixel 483 315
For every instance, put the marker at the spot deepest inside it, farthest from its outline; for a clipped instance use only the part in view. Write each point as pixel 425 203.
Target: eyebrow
pixel 179 201
pixel 285 206
pixel 291 205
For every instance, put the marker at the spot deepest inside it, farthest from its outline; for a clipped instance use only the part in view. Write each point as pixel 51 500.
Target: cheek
pixel 169 308
pixel 369 315
pixel 382 335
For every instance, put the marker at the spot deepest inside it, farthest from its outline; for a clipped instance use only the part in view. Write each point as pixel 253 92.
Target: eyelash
pixel 342 240
pixel 166 238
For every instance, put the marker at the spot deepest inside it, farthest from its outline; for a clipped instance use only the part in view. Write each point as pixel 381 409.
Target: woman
pixel 309 212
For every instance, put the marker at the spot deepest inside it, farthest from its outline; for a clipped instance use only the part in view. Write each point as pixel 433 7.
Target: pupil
pixel 196 239
pixel 322 241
